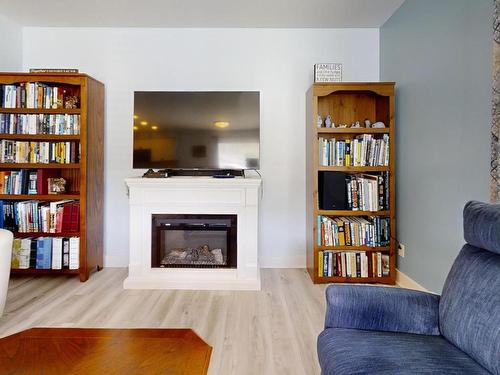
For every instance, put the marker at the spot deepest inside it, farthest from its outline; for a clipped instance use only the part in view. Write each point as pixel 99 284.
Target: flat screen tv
pixel 196 130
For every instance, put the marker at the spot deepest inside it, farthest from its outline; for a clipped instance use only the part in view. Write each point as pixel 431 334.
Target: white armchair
pixel 6 239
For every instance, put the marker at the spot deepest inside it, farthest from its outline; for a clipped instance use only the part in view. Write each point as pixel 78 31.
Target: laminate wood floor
pixel 272 331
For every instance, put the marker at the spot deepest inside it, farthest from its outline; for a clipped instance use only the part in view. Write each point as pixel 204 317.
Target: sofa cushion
pixel 482 225
pixel 469 309
pixel 348 351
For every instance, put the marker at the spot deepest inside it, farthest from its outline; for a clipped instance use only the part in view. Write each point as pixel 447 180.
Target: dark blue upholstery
pixel 348 351
pixel 381 330
pixel 469 311
pixel 382 309
pixel 482 225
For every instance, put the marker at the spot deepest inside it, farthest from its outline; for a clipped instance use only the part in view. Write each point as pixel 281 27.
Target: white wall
pixel 11 38
pixel 278 62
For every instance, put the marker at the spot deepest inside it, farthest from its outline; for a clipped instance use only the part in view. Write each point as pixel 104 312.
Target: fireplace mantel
pixel 194 195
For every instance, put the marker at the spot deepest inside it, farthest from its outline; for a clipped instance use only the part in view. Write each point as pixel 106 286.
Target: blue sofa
pixel 383 330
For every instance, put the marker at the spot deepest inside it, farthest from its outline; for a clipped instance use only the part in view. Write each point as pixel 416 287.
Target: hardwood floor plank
pixel 272 331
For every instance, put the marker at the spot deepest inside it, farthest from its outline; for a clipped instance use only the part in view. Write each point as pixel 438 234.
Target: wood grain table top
pixel 104 351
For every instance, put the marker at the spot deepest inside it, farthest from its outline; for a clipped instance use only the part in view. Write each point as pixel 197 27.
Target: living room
pixel 424 69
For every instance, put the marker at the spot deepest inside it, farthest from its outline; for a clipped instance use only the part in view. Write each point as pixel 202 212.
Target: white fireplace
pixel 196 198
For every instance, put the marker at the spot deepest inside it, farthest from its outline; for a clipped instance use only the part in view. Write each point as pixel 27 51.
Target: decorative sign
pixel 328 73
pixel 53 70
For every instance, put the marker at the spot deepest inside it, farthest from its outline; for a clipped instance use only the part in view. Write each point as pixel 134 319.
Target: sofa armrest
pixel 382 309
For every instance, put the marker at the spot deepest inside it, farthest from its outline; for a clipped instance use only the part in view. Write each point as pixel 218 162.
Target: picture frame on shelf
pixel 327 72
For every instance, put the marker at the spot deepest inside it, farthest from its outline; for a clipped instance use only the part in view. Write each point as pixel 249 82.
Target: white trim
pixel 283 262
pixel 404 281
pixel 193 195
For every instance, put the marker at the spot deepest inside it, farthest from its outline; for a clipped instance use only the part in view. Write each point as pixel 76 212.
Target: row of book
pixel 46 253
pixel 366 192
pixel 371 231
pixel 34 95
pixel 353 264
pixel 26 181
pixel 23 181
pixel 364 150
pixel 40 217
pixel 12 123
pixel 39 152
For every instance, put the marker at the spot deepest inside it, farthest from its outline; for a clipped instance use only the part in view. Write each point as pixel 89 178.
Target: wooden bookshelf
pixel 41 197
pixel 39 165
pixel 351 131
pixel 85 178
pixel 348 103
pixel 41 137
pixel 37 111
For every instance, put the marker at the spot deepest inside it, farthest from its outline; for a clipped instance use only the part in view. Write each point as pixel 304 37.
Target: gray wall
pixel 439 53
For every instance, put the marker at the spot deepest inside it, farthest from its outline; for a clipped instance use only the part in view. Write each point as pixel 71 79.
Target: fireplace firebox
pixel 193 241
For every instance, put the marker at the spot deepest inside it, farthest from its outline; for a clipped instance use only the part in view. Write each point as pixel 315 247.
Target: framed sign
pixel 331 72
pixel 50 70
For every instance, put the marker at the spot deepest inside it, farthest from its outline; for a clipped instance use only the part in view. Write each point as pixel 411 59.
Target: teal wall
pixel 439 53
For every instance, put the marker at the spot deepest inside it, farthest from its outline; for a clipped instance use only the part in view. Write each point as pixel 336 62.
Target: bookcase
pixel 352 239
pixel 52 125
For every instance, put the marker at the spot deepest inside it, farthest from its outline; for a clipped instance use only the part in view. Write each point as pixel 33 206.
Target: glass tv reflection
pixel 196 130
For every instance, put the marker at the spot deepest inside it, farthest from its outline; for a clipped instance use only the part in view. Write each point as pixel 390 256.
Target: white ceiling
pixel 201 13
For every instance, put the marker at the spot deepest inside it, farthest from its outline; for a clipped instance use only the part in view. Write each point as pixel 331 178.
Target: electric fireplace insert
pixel 193 241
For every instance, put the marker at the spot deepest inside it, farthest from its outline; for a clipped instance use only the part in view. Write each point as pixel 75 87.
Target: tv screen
pixel 196 130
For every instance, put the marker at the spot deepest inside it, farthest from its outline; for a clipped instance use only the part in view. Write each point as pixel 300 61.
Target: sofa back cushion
pixel 482 225
pixel 469 309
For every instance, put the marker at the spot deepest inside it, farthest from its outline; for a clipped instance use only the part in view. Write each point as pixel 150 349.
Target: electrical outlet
pixel 401 250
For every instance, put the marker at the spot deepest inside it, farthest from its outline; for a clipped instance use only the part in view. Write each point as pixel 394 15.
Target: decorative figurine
pixel 368 123
pixel 342 126
pixel 319 122
pixel 378 125
pixel 328 121
pixel 71 102
pixel 356 125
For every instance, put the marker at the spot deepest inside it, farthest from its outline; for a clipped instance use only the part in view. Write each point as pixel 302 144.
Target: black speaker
pixel 332 190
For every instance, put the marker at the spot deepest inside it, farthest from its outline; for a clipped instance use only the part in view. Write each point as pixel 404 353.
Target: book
pixel 33 253
pixel 74 253
pixel 35 95
pixel 372 231
pixel 356 264
pixel 363 150
pixel 25 252
pixel 57 253
pixel 320 264
pixel 39 152
pixel 65 252
pixel 16 254
pixel 385 265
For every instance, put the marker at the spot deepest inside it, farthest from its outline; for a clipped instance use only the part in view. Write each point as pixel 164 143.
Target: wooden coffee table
pixel 104 351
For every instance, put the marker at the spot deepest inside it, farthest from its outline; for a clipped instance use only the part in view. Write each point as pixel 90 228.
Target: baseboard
pixel 120 261
pixel 283 262
pixel 115 261
pixel 405 281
